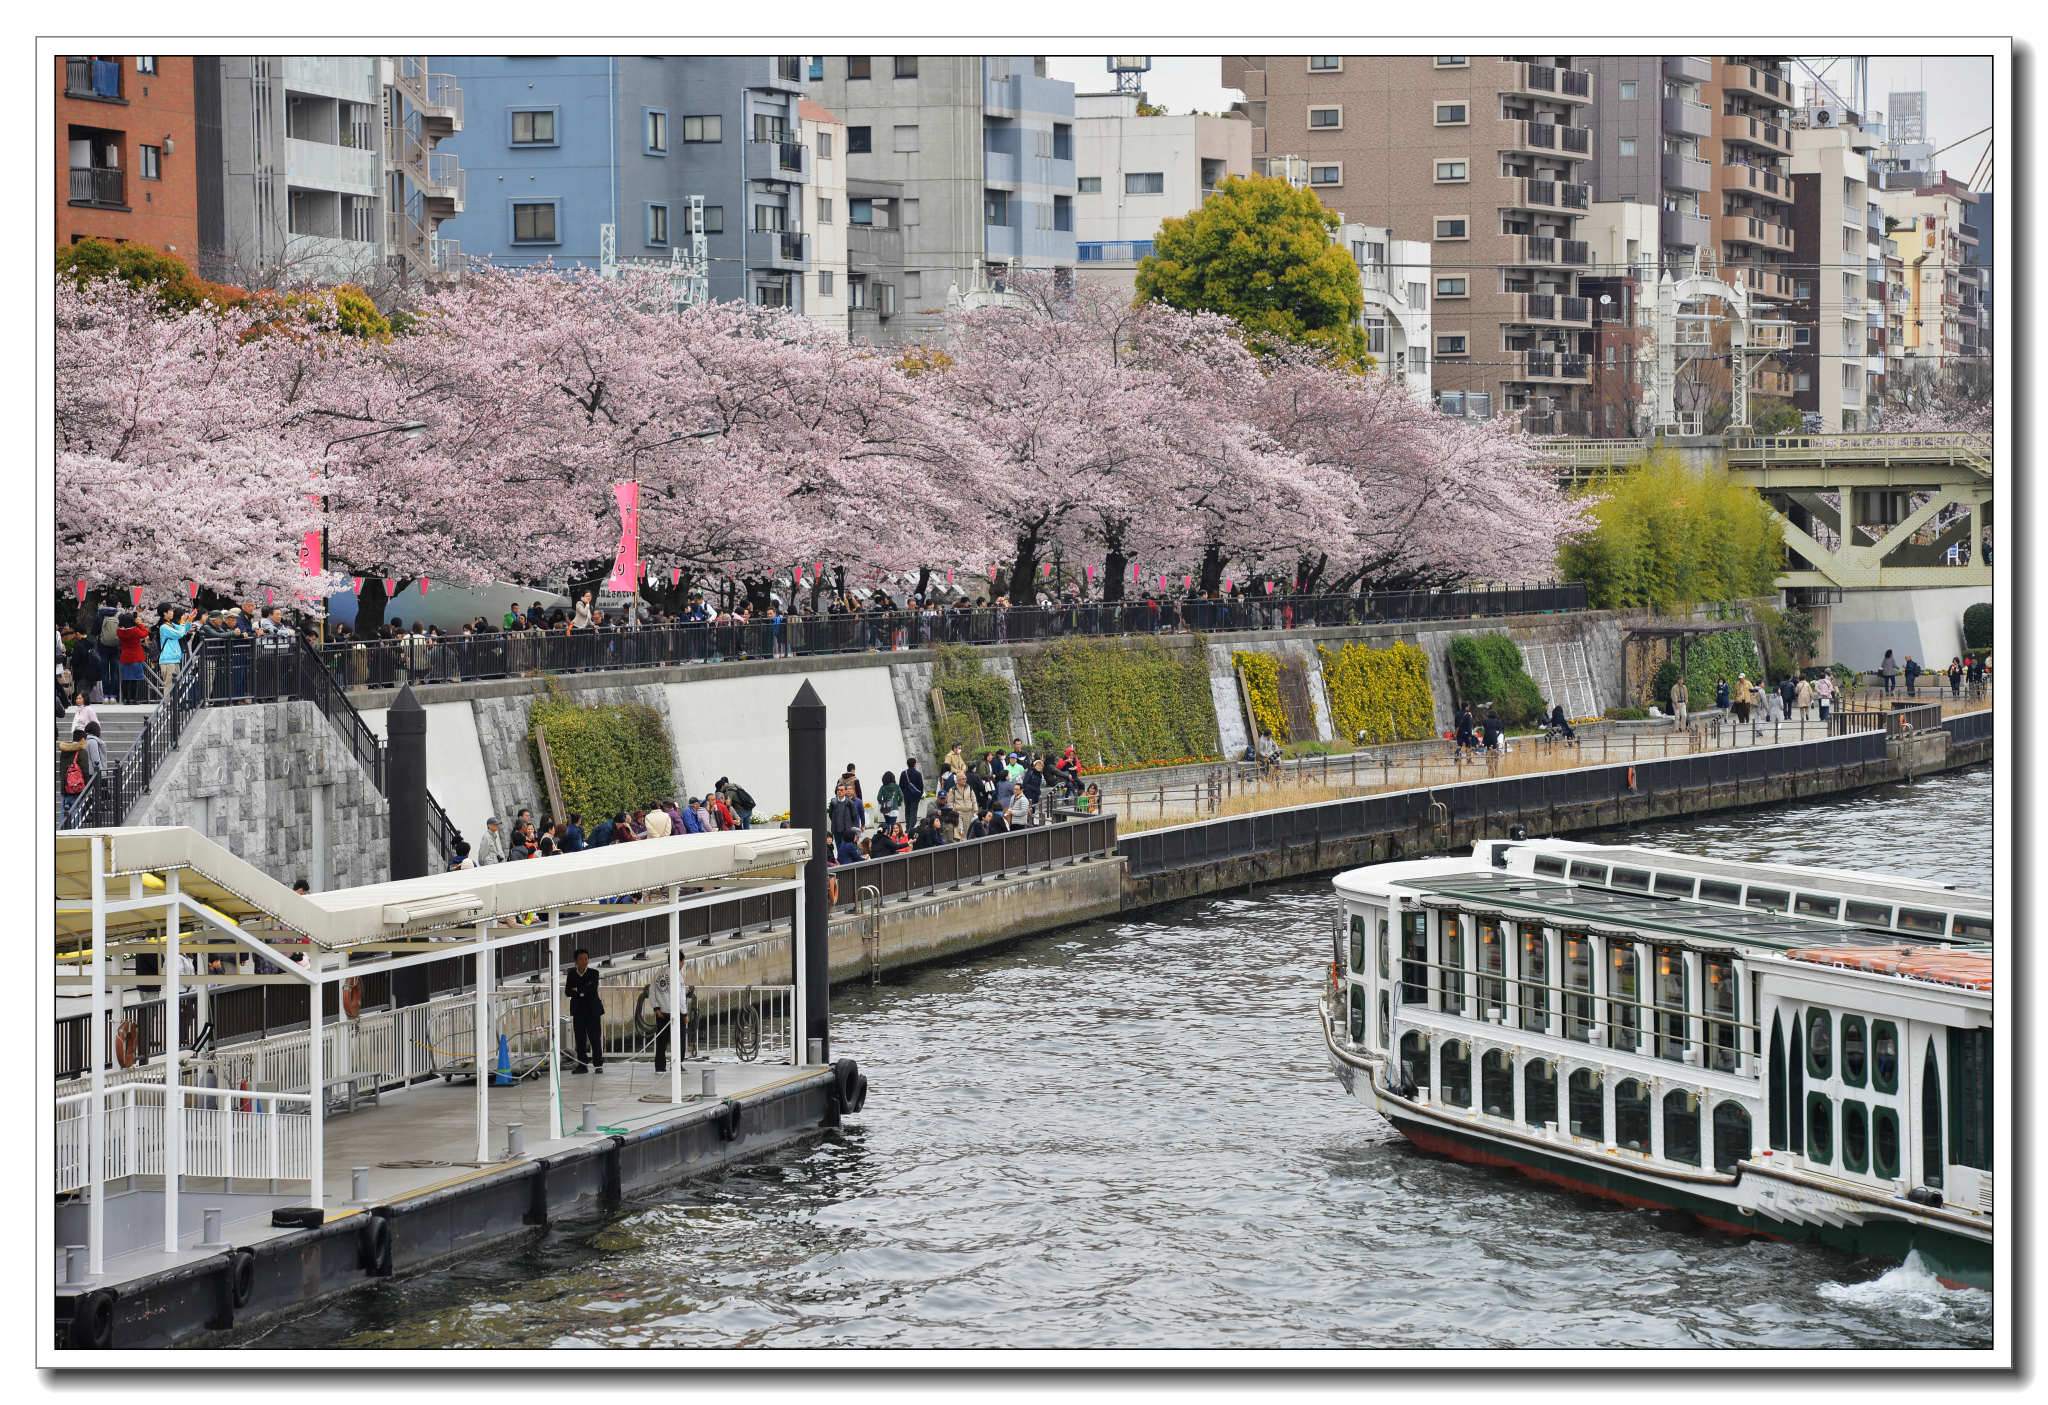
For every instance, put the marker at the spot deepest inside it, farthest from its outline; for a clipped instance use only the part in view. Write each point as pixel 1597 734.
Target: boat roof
pixel 1848 882
pixel 239 891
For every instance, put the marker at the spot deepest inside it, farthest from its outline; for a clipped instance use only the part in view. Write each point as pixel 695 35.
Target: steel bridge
pixel 1908 510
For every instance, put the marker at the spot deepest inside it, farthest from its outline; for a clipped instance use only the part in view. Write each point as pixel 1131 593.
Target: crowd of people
pixel 996 793
pixel 1967 670
pixel 727 805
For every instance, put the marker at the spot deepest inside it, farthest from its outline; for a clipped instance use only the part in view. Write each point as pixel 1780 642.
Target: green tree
pixel 1671 535
pixel 1258 250
pixel 1977 627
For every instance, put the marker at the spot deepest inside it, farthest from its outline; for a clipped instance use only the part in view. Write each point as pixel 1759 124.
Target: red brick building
pixel 127 151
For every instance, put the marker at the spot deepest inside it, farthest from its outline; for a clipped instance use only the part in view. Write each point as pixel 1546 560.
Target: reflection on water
pixel 1126 1134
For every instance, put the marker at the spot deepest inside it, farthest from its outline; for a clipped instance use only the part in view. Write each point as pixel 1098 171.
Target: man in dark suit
pixel 586 1011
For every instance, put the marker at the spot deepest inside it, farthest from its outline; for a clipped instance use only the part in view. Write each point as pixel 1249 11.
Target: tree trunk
pixel 1212 567
pixel 1310 573
pixel 924 580
pixel 1024 574
pixel 1115 567
pixel 372 603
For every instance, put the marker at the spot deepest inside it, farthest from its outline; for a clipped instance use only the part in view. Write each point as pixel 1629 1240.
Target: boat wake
pixel 1911 1290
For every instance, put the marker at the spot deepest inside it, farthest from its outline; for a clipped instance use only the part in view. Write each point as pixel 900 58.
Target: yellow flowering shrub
pixel 1383 693
pixel 1262 681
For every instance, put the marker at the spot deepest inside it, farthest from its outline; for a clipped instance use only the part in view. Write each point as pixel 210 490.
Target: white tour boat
pixel 1792 1052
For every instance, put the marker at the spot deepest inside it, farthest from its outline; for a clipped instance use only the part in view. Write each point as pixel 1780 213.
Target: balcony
pixel 1683 228
pixel 97 80
pixel 324 166
pixel 1694 119
pixel 1000 99
pixel 1524 135
pixel 1737 127
pixel 776 248
pixel 1766 185
pixel 776 159
pixel 351 78
pixel 1552 310
pixel 98 185
pixel 1569 367
pixel 1687 173
pixel 1529 193
pixel 1544 250
pixel 1542 80
pixel 1852 308
pixel 1747 229
pixel 1688 69
pixel 1967 232
pixel 1760 85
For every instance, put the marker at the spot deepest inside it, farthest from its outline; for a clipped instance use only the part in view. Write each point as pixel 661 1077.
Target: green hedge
pixel 1977 627
pixel 972 694
pixel 1488 669
pixel 1712 657
pixel 1119 703
pixel 608 757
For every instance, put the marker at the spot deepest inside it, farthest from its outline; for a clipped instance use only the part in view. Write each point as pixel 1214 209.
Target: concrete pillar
pixel 807 810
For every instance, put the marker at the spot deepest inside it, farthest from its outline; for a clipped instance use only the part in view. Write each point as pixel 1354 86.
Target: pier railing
pixel 905 876
pixel 245 1138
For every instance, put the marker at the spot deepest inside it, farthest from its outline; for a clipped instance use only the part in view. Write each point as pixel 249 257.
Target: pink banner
pixel 356 584
pixel 135 593
pixel 193 586
pixel 269 598
pixel 626 568
pixel 423 585
pixel 81 592
pixel 390 586
pixel 675 578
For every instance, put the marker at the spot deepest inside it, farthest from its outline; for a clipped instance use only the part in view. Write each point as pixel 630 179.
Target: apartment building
pixel 971 158
pixel 1626 239
pixel 1938 246
pixel 1648 146
pixel 1483 158
pixel 1750 100
pixel 825 215
pixel 126 163
pixel 1394 275
pixel 558 147
pixel 1132 172
pixel 1837 358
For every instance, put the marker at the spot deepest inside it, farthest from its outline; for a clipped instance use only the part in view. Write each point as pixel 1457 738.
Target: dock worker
pixel 586 1012
pixel 662 1002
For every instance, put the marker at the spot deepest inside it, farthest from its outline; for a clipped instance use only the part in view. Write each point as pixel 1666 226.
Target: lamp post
pixel 411 429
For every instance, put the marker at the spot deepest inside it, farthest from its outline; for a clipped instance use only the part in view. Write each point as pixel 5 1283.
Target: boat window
pixel 1884 1142
pixel 1682 1126
pixel 1457 1073
pixel 1820 1128
pixel 1383 948
pixel 1357 1014
pixel 1714 891
pixel 1588 1114
pixel 1632 1115
pixel 1415 1058
pixel 1969 1097
pixel 1674 885
pixel 1814 905
pixel 1384 1023
pixel 1870 914
pixel 1913 919
pixel 1357 945
pixel 1636 879
pixel 1723 998
pixel 1731 1135
pixel 1795 1088
pixel 1589 872
pixel 1493 967
pixel 1855 1137
pixel 1931 1158
pixel 1497 1083
pixel 1820 1051
pixel 1451 935
pixel 1777 1084
pixel 1884 1056
pixel 1578 983
pixel 1535 980
pixel 1549 867
pixel 1623 1016
pixel 1415 958
pixel 1855 1053
pixel 1670 1003
pixel 1976 927
pixel 1770 899
pixel 1539 1093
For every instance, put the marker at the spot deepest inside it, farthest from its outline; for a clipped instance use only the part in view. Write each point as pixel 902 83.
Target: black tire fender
pixel 92 1320
pixel 860 1093
pixel 241 1278
pixel 843 1074
pixel 729 1122
pixel 373 1246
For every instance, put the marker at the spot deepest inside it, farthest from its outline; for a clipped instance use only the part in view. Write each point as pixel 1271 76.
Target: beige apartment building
pixel 1481 158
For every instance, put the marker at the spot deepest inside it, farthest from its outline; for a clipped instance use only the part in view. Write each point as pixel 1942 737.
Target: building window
pixel 1450 170
pixel 824 282
pixel 1802 336
pixel 1332 64
pixel 534 128
pixel 906 139
pixel 1144 182
pixel 1802 381
pixel 824 209
pixel 913 285
pixel 908 209
pixel 1458 62
pixel 856 290
pixel 1450 288
pixel 1376 335
pixel 1450 114
pixel 995 207
pixel 771 217
pixel 1445 229
pixel 817 70
pixel 146 64
pixel 149 162
pixel 859 140
pixel 714 219
pixel 706 128
pixel 1326 117
pixel 1628 92
pixel 657 224
pixel 1063 213
pixel 1628 146
pixel 1450 345
pixel 824 146
pixel 906 67
pixel 657 132
pixel 860 68
pixel 1326 175
pixel 1802 289
pixel 1089 185
pixel 860 212
pixel 533 223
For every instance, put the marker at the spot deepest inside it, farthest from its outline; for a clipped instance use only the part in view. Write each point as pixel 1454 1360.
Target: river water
pixel 1127 1135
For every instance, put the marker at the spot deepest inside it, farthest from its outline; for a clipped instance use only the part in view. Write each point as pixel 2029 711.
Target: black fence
pixel 388 663
pixel 1191 845
pixel 1969 727
pixel 906 875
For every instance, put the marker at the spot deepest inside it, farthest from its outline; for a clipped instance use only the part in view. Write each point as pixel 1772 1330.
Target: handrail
pixel 902 876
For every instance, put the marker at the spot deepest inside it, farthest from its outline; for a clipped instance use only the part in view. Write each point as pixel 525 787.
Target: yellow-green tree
pixel 1672 535
pixel 1258 250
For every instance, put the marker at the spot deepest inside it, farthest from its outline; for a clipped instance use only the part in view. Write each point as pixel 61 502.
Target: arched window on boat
pixel 1587 1098
pixel 1457 1073
pixel 1670 969
pixel 1535 978
pixel 1931 1159
pixel 1855 1056
pixel 1539 1093
pixel 1731 1135
pixel 1682 1126
pixel 1723 1008
pixel 1414 958
pixel 1820 1129
pixel 1383 949
pixel 1820 1044
pixel 1497 1083
pixel 1632 1114
pixel 1384 1020
pixel 1357 945
pixel 1624 1015
pixel 1493 969
pixel 1415 1058
pixel 1777 1084
pixel 1795 1087
pixel 1855 1134
pixel 1576 956
pixel 1884 1142
pixel 1884 1056
pixel 1357 1013
pixel 1451 945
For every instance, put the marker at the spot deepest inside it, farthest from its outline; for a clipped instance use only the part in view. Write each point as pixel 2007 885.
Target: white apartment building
pixel 1394 275
pixel 1132 172
pixel 1837 355
pixel 825 215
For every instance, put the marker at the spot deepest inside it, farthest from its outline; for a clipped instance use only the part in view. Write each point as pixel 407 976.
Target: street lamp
pixel 411 429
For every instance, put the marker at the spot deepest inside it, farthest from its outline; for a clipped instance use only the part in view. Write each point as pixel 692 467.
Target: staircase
pixel 434 186
pixel 119 728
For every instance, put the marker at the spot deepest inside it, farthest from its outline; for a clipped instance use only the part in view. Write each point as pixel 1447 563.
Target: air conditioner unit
pixel 1828 115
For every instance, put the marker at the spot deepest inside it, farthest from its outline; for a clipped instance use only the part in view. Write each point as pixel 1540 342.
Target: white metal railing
pixel 244 1136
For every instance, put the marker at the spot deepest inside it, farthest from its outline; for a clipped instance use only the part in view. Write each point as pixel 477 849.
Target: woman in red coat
pixel 134 666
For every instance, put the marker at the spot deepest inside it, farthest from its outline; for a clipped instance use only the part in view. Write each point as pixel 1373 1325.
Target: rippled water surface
pixel 1126 1134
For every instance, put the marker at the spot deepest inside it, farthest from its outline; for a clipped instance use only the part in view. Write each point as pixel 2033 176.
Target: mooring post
pixel 405 774
pixel 807 811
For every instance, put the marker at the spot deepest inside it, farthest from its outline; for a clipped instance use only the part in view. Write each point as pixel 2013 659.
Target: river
pixel 1126 1135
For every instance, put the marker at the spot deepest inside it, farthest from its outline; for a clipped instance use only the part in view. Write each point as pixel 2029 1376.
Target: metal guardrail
pixel 1967 727
pixel 908 875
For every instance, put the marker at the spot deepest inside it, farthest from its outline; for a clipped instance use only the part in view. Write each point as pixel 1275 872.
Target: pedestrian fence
pixel 1967 727
pixel 253 1138
pixel 972 861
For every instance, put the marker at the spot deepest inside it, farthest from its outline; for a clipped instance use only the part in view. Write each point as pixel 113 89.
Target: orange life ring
pixel 832 889
pixel 127 1040
pixel 352 996
pixel 1631 778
